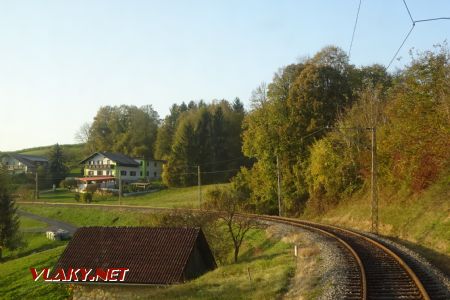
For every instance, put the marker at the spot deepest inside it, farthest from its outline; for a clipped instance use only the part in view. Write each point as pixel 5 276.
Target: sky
pixel 60 61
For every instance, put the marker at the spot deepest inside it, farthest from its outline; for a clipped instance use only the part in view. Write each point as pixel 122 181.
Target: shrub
pixel 91 188
pixel 83 197
pixel 26 192
pixel 86 197
pixel 68 184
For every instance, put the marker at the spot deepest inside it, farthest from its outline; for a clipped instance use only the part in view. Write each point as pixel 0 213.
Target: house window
pixel 123 173
pixel 142 162
pixel 108 162
pixel 132 173
pixel 154 174
pixel 147 174
pixel 140 174
pixel 91 173
pixel 154 164
pixel 99 173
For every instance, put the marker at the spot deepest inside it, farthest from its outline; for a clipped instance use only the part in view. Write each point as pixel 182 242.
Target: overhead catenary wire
pixel 409 12
pixel 399 48
pixel 354 29
pixel 432 19
pixel 413 22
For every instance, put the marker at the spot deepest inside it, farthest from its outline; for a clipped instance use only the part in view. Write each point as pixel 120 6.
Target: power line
pixel 220 161
pixel 222 171
pixel 314 132
pixel 354 29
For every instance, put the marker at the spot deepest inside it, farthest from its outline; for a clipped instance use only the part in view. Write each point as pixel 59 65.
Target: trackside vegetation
pixel 263 271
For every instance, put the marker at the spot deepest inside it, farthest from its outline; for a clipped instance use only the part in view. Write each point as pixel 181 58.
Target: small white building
pixel 58 235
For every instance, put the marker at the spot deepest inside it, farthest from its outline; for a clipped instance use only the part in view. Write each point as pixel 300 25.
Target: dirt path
pixel 52 224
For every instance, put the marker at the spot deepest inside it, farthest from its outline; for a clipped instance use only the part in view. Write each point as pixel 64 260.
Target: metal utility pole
pixel 279 187
pixel 36 193
pixel 120 186
pixel 374 182
pixel 199 187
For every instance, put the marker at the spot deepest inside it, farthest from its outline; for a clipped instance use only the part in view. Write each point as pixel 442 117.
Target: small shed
pixel 160 256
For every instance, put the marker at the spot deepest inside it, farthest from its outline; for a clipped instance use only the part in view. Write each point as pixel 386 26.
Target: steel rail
pixel 329 234
pixel 377 244
pixel 293 222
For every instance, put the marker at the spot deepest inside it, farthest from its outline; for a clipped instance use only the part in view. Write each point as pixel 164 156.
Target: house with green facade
pixel 109 165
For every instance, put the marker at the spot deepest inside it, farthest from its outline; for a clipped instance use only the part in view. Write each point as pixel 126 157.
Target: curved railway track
pixel 376 270
pixel 383 273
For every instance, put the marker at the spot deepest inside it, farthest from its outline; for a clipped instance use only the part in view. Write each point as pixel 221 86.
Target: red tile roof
pixel 153 255
pixel 98 178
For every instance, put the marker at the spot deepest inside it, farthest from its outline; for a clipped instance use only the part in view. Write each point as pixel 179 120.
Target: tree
pixel 82 135
pixel 229 204
pixel 414 142
pixel 57 165
pixel 126 129
pixel 9 220
pixel 302 99
pixel 176 171
pixel 207 135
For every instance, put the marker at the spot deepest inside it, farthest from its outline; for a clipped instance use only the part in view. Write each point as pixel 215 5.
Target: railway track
pixel 377 270
pixel 383 274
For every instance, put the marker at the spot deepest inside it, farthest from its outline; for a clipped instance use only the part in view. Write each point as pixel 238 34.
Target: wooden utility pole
pixel 120 186
pixel 36 193
pixel 374 182
pixel 199 187
pixel 279 187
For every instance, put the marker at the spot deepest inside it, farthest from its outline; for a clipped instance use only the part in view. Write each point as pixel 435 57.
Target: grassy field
pixel 38 251
pixel 34 239
pixel 172 197
pixel 421 222
pixel 72 150
pixel 28 223
pixel 269 261
pixel 93 216
pixel 16 281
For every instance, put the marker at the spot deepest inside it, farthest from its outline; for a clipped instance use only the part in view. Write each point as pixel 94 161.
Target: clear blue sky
pixel 61 60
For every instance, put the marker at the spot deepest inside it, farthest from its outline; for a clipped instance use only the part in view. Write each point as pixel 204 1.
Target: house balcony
pixel 99 167
pixel 15 167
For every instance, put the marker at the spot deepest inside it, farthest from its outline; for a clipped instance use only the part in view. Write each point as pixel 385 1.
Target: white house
pixel 20 163
pixel 110 165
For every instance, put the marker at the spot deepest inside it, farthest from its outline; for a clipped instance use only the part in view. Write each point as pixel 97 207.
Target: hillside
pixel 73 151
pixel 420 222
pixel 74 154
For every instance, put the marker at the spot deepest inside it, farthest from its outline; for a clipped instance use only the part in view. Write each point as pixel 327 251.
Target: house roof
pixel 119 158
pixel 153 255
pixel 28 160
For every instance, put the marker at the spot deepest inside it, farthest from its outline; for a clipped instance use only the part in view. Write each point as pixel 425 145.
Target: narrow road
pixel 52 224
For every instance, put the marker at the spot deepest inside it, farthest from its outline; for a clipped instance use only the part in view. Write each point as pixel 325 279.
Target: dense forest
pixel 313 118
